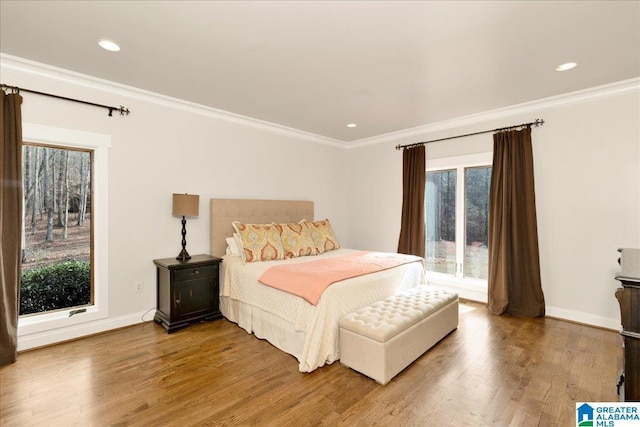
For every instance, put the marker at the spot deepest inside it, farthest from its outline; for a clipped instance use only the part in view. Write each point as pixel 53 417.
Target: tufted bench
pixel 382 339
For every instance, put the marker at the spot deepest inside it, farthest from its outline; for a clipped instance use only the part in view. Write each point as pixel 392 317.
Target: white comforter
pixel 319 323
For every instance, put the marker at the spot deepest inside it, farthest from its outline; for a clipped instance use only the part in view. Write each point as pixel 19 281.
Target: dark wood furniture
pixel 187 291
pixel 629 299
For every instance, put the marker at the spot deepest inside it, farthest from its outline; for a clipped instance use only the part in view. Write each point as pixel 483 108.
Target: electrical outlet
pixel 138 287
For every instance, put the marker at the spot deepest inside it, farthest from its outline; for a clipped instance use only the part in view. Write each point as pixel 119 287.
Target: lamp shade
pixel 186 204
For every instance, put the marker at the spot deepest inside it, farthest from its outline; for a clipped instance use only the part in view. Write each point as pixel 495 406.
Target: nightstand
pixel 187 291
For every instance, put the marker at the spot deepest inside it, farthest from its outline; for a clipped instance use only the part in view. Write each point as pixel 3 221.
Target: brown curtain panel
pixel 412 237
pixel 10 223
pixel 514 261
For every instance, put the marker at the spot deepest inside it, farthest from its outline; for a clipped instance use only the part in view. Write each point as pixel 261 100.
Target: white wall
pixel 587 171
pixel 164 147
pixel 587 165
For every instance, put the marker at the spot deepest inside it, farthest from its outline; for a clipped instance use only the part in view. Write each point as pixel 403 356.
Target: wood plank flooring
pixel 491 371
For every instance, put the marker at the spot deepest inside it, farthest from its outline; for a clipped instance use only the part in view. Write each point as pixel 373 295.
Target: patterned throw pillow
pixel 260 242
pixel 296 239
pixel 323 237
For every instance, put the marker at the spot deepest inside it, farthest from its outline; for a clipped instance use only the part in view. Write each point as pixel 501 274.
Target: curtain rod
pixel 122 110
pixel 536 123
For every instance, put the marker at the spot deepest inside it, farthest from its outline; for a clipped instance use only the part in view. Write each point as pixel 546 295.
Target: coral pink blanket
pixel 309 279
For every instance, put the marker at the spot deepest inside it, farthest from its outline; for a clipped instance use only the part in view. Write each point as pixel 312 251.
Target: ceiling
pixel 316 66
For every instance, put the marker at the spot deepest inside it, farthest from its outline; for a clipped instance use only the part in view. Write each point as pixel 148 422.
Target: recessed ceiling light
pixel 109 45
pixel 352 125
pixel 566 66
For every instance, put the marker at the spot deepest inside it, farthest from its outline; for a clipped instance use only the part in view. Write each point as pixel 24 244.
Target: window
pixel 57 270
pixel 440 211
pixel 477 181
pixel 456 216
pixel 51 326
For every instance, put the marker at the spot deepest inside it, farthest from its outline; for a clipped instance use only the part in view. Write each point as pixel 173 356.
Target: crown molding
pixel 50 72
pixel 62 75
pixel 610 89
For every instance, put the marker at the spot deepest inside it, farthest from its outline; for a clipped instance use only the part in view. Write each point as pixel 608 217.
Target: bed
pixel 308 332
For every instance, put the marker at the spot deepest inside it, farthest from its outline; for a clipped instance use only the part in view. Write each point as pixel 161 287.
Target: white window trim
pixel 99 144
pixel 469 288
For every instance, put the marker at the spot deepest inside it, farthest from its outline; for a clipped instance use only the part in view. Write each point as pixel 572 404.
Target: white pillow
pixel 238 240
pixel 232 246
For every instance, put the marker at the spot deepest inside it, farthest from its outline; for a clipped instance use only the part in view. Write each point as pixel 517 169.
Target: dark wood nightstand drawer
pixel 183 274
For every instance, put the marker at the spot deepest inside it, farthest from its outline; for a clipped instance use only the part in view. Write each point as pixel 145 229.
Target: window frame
pixel 98 145
pixel 467 287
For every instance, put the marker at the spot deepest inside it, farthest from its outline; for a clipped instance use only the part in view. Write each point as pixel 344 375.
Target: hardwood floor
pixel 491 371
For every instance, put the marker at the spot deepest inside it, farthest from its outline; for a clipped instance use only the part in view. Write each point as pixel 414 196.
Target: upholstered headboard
pixel 225 211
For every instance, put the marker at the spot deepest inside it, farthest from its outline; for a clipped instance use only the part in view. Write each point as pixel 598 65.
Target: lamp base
pixel 184 255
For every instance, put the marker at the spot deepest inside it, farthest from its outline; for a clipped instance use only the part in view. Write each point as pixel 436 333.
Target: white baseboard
pixel 470 294
pixel 582 317
pixel 464 290
pixel 480 295
pixel 54 336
